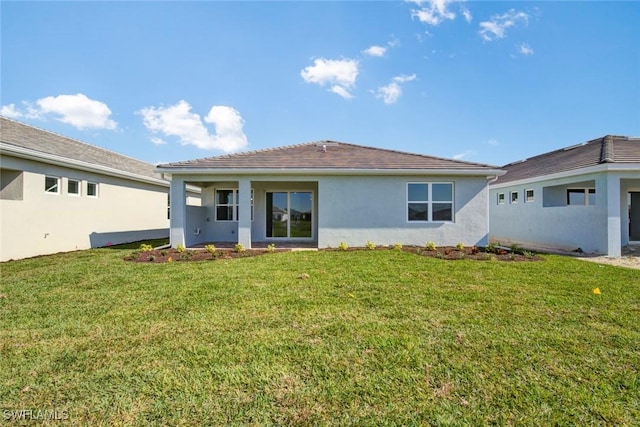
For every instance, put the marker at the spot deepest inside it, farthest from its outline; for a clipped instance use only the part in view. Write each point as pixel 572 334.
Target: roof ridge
pixel 249 152
pixel 607 155
pixel 70 139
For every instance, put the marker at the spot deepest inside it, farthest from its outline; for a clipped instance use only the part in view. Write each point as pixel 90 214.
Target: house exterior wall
pixel 351 209
pixel 38 223
pixel 548 221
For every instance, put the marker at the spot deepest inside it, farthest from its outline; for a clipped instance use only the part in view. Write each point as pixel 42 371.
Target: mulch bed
pixel 446 253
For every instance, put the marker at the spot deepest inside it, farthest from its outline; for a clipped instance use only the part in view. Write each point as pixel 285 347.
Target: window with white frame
pixel 429 201
pixel 513 197
pixel 227 203
pixel 92 189
pixel 528 196
pixel 52 185
pixel 501 199
pixel 73 187
pixel 581 196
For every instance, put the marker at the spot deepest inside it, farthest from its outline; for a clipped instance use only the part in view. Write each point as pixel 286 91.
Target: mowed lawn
pixel 379 337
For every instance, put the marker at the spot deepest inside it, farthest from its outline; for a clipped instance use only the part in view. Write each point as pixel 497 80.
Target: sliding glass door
pixel 289 214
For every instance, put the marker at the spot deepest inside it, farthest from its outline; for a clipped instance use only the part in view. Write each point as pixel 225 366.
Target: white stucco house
pixel 325 193
pixel 584 196
pixel 58 194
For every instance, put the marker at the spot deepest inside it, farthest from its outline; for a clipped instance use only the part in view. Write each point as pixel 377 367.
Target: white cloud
pixel 434 13
pixel 466 13
pixel 76 110
pixel 178 121
pixel 339 90
pixel 493 142
pixel 10 111
pixel 391 92
pixel 497 27
pixel 341 74
pixel 525 49
pixel 158 141
pixel 375 51
pixel 465 153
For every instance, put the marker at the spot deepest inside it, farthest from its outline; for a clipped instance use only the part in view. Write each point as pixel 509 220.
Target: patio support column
pixel 614 237
pixel 244 213
pixel 178 212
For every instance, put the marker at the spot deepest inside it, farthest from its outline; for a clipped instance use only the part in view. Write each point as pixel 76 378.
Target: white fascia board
pixel 28 154
pixel 326 171
pixel 606 167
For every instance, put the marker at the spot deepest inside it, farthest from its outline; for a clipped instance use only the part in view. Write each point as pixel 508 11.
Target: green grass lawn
pixel 329 337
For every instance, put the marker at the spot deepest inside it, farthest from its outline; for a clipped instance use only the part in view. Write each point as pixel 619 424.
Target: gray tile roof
pixel 607 149
pixel 327 155
pixel 21 135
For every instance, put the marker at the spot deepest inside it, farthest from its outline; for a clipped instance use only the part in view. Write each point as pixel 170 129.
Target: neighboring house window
pixel 227 205
pixel 92 189
pixel 501 198
pixel 581 196
pixel 73 187
pixel 429 201
pixel 51 185
pixel 528 196
pixel 513 196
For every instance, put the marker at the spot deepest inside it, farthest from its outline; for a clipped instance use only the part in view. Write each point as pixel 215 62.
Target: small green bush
pixel 343 246
pixel 431 246
pixel 271 247
pixel 180 248
pixel 239 247
pixel 491 247
pixel 146 248
pixel 397 246
pixel 210 248
pixel 370 245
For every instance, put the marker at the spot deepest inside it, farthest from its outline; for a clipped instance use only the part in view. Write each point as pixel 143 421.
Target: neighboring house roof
pixel 326 155
pixel 26 141
pixel 609 149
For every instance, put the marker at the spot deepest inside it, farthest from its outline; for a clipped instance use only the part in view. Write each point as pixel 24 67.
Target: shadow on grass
pixel 136 245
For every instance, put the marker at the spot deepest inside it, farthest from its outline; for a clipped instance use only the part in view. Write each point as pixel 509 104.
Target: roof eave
pixel 326 171
pixel 29 154
pixel 605 167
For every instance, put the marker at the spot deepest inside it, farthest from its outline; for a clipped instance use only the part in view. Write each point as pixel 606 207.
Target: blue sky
pixel 482 81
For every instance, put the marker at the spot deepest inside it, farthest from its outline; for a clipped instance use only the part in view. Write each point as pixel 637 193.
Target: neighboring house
pixel 58 194
pixel 322 194
pixel 585 196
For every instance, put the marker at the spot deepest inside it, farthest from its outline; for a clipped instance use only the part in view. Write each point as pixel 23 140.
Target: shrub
pixel 239 247
pixel 180 248
pixel 271 247
pixel 146 248
pixel 210 248
pixel 431 246
pixel 163 252
pixel 491 247
pixel 397 246
pixel 516 249
pixel 474 250
pixel 152 258
pixel 460 246
pixel 343 246
pixel 370 245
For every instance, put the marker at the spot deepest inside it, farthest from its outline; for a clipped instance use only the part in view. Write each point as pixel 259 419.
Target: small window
pixel 429 201
pixel 528 196
pixel 51 185
pixel 73 187
pixel 92 189
pixel 501 198
pixel 227 205
pixel 513 197
pixel 581 196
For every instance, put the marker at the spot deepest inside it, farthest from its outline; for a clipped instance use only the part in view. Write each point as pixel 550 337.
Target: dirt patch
pixel 445 253
pixel 629 261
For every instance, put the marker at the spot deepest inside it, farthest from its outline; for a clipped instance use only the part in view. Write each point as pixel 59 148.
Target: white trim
pixel 533 195
pixel 28 154
pixel 57 185
pixel 313 216
pixel 511 200
pixel 234 205
pixel 621 167
pixel 97 187
pixel 79 187
pixel 504 198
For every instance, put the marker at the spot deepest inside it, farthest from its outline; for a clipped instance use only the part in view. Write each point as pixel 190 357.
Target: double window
pixel 581 196
pixel 227 205
pixel 429 201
